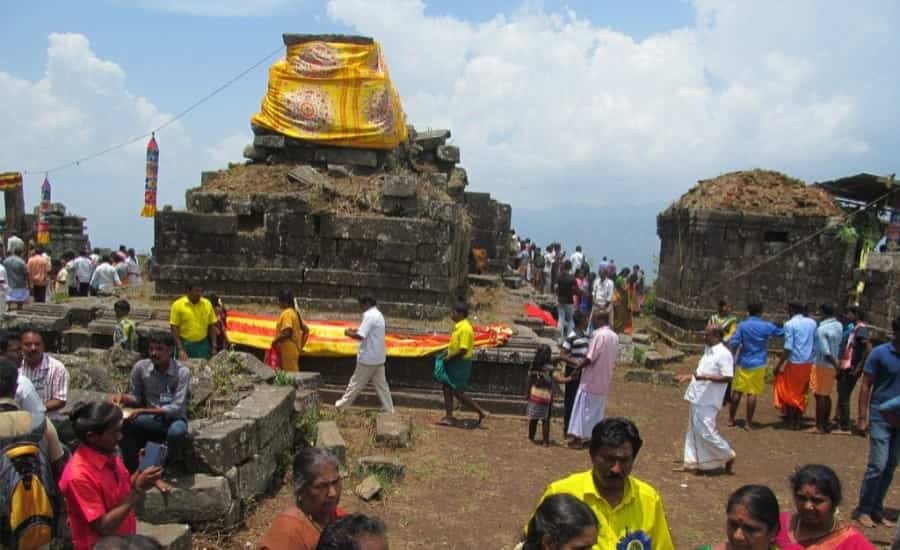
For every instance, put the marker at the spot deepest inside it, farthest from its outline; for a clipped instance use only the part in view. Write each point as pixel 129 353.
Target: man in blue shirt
pixel 750 343
pixel 881 382
pixel 828 354
pixel 794 368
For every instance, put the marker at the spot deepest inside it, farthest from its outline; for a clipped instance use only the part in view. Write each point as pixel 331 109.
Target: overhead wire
pixel 169 122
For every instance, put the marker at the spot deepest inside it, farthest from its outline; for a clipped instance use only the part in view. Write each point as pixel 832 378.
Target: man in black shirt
pixel 565 293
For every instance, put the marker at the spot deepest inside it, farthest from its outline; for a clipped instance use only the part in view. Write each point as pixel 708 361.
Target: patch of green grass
pixel 282 378
pixel 307 424
pixel 638 355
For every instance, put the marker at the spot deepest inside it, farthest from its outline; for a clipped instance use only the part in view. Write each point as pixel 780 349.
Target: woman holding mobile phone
pixel 100 494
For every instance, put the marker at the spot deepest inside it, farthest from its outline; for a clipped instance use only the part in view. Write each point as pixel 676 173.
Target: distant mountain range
pixel 626 233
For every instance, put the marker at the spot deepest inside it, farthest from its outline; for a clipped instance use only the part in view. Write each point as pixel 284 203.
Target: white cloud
pixel 229 149
pixel 550 107
pixel 215 8
pixel 80 106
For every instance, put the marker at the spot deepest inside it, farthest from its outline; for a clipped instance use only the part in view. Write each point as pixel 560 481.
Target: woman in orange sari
pixel 317 490
pixel 814 525
pixel 291 333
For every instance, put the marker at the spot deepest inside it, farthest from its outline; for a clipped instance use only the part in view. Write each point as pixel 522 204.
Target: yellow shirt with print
pixel 638 518
pixel 462 337
pixel 192 320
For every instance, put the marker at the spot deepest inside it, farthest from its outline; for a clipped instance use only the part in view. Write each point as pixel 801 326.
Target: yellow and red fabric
pixel 334 93
pixel 43 228
pixel 326 338
pixel 10 181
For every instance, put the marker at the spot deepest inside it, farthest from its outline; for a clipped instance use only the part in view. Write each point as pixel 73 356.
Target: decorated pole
pixel 43 230
pixel 14 202
pixel 149 209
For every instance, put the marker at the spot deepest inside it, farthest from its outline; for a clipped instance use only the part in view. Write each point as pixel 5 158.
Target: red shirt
pixel 93 483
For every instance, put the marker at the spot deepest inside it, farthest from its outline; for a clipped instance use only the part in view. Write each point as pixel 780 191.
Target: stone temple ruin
pixel 723 227
pixel 332 222
pixel 67 230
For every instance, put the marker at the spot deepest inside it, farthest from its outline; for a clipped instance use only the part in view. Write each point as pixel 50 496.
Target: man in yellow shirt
pixel 453 369
pixel 193 323
pixel 630 511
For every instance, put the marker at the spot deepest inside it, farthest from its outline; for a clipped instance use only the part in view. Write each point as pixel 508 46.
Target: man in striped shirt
pixel 572 351
pixel 49 376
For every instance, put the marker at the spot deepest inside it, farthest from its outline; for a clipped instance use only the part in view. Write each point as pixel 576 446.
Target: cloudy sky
pixel 587 102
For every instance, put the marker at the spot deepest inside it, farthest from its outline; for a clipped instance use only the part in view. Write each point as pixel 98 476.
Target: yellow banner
pixel 326 338
pixel 334 93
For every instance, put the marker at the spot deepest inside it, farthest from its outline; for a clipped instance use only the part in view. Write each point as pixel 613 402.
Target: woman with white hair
pixel 317 491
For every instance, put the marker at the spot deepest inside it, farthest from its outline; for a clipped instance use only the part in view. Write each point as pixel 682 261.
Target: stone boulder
pixel 392 430
pixel 171 536
pixel 246 363
pixel 196 499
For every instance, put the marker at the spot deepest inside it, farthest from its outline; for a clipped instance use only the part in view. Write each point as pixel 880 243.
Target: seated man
pixel 630 511
pixel 158 390
pixel 49 376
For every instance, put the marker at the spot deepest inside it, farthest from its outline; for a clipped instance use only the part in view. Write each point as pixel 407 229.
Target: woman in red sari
pixel 814 525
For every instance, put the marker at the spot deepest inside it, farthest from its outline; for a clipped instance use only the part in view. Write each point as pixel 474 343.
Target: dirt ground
pixel 474 489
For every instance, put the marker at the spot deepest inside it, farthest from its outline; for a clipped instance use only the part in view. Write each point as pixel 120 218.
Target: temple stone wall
pixel 490 228
pixel 254 246
pixel 881 295
pixel 704 256
pixel 67 231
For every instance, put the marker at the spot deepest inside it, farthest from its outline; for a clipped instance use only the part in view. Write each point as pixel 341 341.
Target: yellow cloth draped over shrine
pixel 326 338
pixel 334 93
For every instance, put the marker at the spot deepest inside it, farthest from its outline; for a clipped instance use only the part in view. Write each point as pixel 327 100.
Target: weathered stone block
pixel 448 153
pixel 400 186
pixel 196 499
pixel 356 157
pixel 269 141
pixel 171 536
pixel 395 252
pixel 392 430
pixel 330 438
pixel 248 363
pixel 222 444
pixel 305 380
pixel 429 140
pixel 403 230
pixel 368 488
pixel 255 476
pixel 389 465
pixel 193 224
pixel 270 408
pixel 306 401
pixel 307 175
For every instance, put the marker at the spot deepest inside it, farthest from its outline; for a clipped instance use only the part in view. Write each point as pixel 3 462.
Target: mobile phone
pixel 154 455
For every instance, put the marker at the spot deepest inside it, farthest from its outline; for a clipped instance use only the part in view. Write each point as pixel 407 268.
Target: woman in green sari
pixel 752 520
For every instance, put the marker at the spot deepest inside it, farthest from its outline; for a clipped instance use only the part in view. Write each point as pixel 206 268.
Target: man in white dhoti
pixel 704 447
pixel 596 376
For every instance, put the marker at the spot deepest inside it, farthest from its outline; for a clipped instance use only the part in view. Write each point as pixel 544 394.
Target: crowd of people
pixel 102 482
pixel 27 272
pixel 578 286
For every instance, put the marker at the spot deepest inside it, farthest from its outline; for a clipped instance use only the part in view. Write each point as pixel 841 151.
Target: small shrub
pixel 282 378
pixel 307 425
